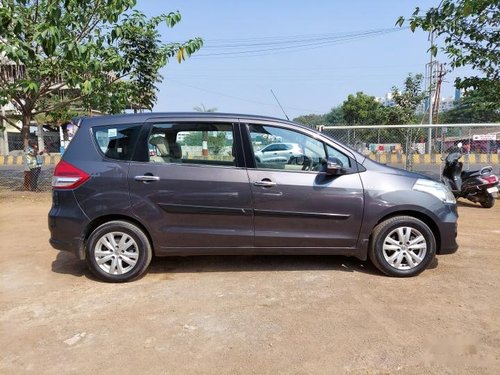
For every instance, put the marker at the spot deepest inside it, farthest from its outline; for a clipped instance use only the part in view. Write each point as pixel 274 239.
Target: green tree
pixel 311 120
pixel 469 32
pixel 335 116
pixel 471 108
pixel 202 108
pixel 403 112
pixel 361 109
pixel 216 143
pixel 102 53
pixel 193 139
pixel 406 102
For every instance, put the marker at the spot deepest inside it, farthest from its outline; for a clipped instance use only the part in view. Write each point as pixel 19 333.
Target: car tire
pixel 118 251
pixel 402 246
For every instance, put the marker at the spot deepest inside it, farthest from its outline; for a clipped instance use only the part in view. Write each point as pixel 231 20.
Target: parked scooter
pixel 478 186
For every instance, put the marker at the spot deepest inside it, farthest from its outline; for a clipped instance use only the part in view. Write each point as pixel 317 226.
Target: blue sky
pixel 305 81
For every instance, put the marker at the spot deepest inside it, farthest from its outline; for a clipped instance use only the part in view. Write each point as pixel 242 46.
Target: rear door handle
pixel 146 178
pixel 265 183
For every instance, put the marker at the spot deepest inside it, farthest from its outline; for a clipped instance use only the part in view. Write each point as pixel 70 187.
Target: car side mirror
pixel 334 166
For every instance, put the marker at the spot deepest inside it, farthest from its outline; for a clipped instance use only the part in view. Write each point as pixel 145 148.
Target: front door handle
pixel 146 178
pixel 265 183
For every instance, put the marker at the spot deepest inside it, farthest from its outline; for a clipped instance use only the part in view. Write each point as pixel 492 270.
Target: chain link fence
pixel 51 142
pixel 15 174
pixel 411 147
pixel 421 148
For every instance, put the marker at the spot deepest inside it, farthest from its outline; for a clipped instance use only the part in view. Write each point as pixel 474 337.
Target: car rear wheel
pixel 118 251
pixel 402 246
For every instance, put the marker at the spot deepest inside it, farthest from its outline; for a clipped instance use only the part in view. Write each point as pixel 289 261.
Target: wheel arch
pixel 426 219
pixel 94 224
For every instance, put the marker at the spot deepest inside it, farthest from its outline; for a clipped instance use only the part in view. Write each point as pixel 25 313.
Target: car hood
pixel 378 167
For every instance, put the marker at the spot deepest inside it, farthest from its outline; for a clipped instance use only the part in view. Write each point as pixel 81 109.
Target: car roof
pixel 134 118
pixel 143 117
pixel 282 143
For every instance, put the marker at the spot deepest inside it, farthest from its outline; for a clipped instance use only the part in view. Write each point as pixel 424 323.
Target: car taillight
pixel 67 176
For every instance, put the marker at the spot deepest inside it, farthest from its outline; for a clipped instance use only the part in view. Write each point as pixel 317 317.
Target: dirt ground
pixel 246 315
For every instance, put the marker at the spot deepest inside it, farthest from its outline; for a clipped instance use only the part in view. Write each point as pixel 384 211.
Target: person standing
pixel 33 166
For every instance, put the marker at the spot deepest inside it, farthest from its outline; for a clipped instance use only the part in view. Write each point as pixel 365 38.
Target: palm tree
pixel 202 108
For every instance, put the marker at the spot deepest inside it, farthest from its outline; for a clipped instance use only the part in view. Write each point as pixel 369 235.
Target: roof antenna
pixel 277 101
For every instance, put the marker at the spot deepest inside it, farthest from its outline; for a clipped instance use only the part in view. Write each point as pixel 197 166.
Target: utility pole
pixel 440 73
pixel 431 72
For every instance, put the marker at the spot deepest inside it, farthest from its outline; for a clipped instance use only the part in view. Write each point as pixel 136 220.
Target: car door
pixel 191 188
pixel 271 151
pixel 296 204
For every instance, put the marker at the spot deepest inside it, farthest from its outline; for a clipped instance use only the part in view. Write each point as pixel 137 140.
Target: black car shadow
pixel 66 263
pixel 272 263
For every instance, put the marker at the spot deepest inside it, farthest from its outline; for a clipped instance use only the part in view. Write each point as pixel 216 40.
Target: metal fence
pixel 51 141
pixel 412 147
pixel 421 147
pixel 15 174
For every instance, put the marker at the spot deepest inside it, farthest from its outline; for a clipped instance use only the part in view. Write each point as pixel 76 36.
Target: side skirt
pixel 194 251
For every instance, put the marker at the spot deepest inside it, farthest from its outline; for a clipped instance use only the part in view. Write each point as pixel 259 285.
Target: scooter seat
pixel 483 171
pixel 469 174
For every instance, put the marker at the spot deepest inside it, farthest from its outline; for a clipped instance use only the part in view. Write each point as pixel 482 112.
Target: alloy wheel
pixel 116 253
pixel 404 248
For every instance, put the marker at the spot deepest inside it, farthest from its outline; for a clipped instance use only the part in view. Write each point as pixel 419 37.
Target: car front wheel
pixel 118 251
pixel 402 246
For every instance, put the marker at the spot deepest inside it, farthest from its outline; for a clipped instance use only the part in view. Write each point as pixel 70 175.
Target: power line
pixel 274 46
pixel 299 37
pixel 276 78
pixel 293 39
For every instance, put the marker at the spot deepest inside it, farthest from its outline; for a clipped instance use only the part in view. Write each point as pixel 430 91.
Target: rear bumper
pixel 76 247
pixel 66 224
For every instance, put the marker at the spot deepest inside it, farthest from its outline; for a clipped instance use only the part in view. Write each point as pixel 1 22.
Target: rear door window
pixel 191 143
pixel 117 141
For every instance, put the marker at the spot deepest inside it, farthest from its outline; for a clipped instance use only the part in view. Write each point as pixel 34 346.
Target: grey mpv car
pixel 130 186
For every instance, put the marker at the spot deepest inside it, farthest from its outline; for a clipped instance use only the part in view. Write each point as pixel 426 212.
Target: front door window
pixel 283 149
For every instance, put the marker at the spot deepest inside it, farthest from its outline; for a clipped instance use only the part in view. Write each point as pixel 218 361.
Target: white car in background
pixel 278 153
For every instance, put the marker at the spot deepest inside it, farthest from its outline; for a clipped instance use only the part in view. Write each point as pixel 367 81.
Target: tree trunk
pixel 41 143
pixel 204 148
pixel 4 141
pixel 25 131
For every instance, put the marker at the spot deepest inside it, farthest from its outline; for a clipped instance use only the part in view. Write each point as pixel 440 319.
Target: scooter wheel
pixel 488 201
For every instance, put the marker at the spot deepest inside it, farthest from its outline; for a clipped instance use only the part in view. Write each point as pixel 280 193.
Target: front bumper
pixel 449 243
pixel 448 231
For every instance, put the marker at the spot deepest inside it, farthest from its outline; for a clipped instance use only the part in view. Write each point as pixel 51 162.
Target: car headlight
pixel 439 190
